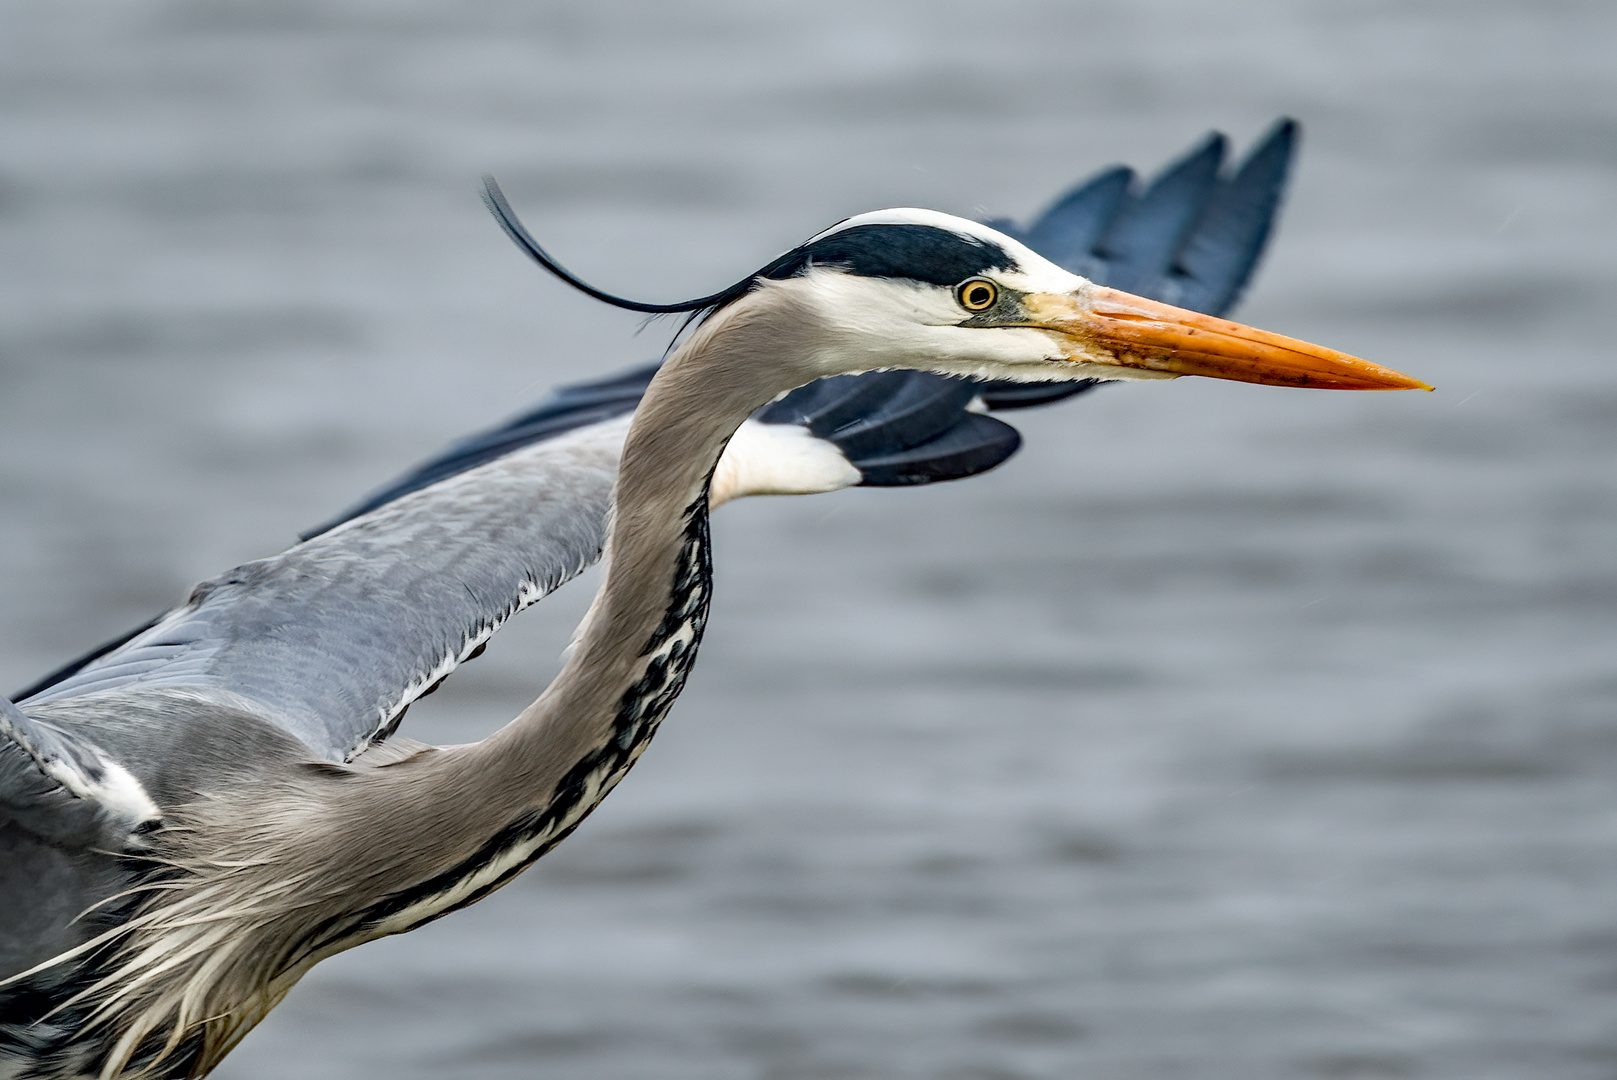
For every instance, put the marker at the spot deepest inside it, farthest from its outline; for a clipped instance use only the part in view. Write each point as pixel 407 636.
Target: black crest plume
pixel 494 199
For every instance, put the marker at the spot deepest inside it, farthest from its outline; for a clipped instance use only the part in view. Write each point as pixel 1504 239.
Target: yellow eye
pixel 977 294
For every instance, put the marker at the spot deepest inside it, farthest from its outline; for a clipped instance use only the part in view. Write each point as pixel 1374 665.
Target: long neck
pixel 639 641
pixel 443 829
pixel 453 825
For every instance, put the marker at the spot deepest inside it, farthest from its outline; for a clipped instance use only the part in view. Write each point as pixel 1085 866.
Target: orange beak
pixel 1106 327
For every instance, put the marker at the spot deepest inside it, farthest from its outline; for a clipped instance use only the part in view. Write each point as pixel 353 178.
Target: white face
pixel 881 322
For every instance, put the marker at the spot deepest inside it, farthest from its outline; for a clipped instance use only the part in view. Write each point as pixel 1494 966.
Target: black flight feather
pixel 974 444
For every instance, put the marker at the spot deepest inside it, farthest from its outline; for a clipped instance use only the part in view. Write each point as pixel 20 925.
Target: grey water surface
pixel 1226 732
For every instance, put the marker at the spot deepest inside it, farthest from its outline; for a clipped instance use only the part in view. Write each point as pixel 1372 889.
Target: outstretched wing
pixel 334 638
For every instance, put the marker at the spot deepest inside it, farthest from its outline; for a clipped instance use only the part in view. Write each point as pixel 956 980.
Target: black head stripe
pixel 921 253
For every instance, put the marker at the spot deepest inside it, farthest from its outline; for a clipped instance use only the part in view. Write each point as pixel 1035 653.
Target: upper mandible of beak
pixel 1105 326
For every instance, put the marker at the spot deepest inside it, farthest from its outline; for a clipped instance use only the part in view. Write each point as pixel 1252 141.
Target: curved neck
pixel 516 794
pixel 450 826
pixel 639 640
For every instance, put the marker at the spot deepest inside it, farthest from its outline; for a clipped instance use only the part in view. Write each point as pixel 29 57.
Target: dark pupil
pixel 978 295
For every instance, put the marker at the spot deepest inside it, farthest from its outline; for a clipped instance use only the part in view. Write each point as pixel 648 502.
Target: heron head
pixel 910 288
pixel 893 287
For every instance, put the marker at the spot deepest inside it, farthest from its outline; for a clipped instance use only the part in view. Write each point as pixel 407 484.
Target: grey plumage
pixel 331 640
pixel 244 717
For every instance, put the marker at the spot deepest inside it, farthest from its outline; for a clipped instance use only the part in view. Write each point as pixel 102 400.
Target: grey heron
pixel 214 789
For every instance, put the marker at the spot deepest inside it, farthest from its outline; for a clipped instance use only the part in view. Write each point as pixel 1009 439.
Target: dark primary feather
pixel 1141 246
pixel 1068 233
pixel 872 412
pixel 1217 258
pixel 1191 237
pixel 973 444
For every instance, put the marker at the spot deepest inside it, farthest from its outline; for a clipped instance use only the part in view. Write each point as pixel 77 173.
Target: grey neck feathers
pixel 639 641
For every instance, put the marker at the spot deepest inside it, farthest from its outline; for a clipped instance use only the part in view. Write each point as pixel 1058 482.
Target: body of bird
pixel 272 827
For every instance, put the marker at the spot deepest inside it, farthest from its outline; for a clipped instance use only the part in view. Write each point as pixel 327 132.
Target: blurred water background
pixel 1226 732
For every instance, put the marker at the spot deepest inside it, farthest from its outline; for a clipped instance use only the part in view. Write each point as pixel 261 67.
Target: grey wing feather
pixel 568 408
pixel 332 639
